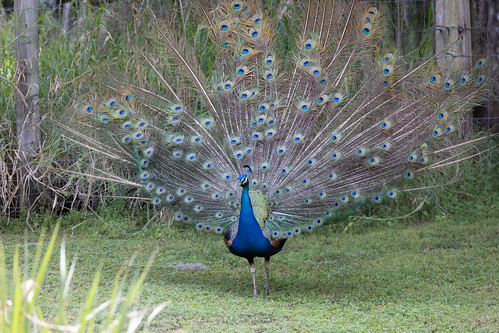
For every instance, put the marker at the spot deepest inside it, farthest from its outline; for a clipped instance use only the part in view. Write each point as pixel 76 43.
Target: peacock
pixel 270 144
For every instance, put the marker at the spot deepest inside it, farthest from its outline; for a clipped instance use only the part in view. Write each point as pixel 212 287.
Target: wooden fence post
pixel 493 56
pixel 28 113
pixel 453 39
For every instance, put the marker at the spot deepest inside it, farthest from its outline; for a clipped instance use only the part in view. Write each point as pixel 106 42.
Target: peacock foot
pixel 268 289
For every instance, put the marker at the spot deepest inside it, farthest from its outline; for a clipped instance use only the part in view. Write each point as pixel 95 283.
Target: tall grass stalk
pixel 20 309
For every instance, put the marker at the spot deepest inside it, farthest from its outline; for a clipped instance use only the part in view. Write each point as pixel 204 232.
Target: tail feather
pixel 333 126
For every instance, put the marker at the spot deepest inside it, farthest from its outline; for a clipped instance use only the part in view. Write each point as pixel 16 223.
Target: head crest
pixel 249 168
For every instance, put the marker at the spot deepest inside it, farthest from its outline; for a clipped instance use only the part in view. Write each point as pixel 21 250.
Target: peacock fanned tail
pixel 326 128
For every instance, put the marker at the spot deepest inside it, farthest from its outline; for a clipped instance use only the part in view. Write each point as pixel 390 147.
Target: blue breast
pixel 250 241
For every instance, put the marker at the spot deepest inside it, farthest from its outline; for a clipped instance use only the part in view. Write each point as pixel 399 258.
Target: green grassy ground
pixel 438 276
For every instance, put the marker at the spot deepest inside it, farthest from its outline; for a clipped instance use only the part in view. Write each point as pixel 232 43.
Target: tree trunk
pixel 66 19
pixel 492 54
pixel 453 42
pixel 28 113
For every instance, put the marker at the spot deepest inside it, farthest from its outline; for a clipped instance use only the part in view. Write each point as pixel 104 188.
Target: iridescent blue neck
pixel 247 221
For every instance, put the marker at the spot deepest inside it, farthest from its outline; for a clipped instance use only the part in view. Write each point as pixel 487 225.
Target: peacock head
pixel 242 180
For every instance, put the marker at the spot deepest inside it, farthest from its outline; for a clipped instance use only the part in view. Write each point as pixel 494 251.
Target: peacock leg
pixel 266 263
pixel 253 272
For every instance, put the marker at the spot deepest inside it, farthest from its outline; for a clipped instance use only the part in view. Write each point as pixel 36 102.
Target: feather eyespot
pixel 263 107
pixel 335 138
pixel 337 98
pixel 386 124
pixel 436 132
pixel 241 70
pixel 315 71
pixel 366 30
pixel 443 116
pixel 434 79
pixel 388 58
pixel 360 152
pixel 254 33
pixel 304 106
pixel 269 60
pixel 269 75
pixel 387 70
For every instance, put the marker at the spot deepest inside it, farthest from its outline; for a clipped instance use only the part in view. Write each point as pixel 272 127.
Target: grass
pixel 438 276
